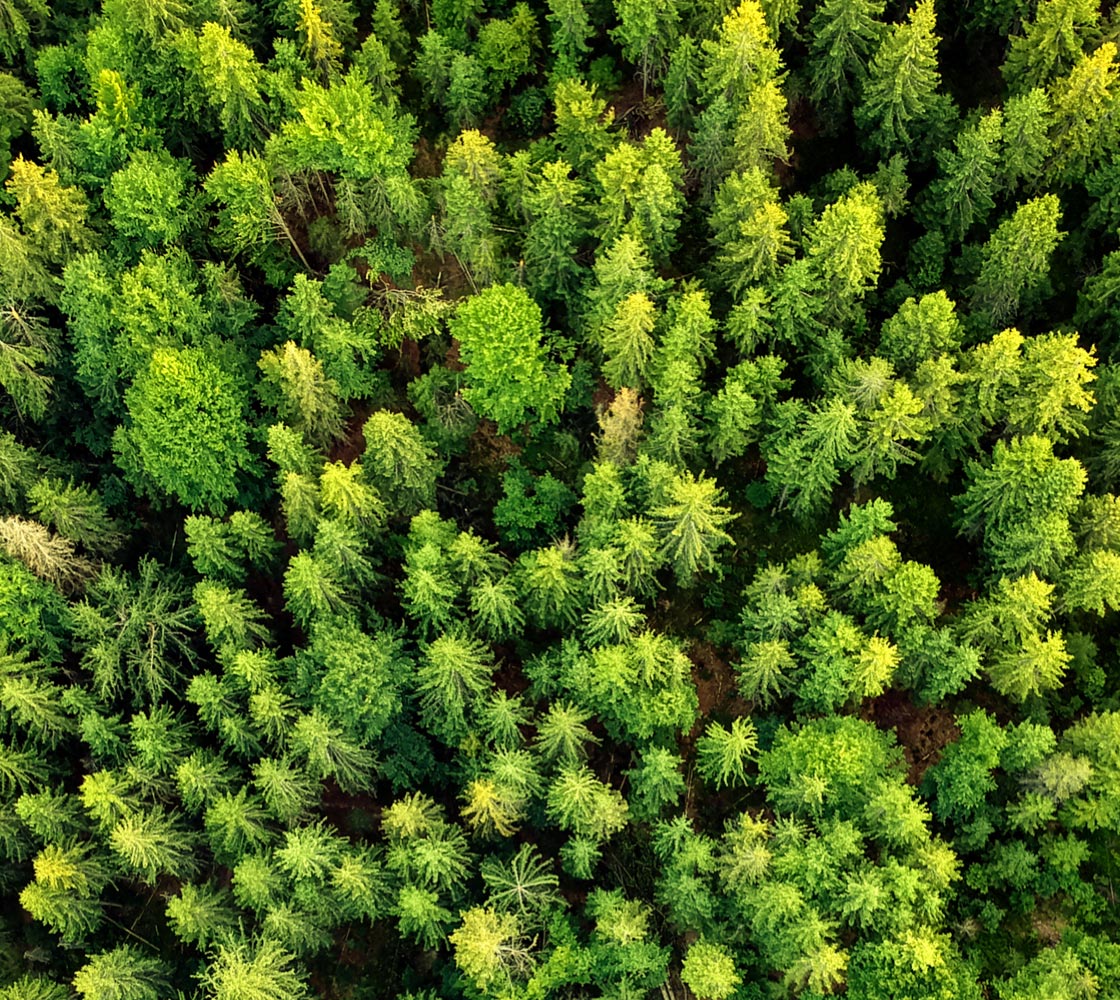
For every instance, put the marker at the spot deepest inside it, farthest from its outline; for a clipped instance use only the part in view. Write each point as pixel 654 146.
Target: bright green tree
pixel 502 343
pixel 186 430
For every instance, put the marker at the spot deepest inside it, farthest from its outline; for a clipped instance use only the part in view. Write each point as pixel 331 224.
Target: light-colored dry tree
pixel 49 556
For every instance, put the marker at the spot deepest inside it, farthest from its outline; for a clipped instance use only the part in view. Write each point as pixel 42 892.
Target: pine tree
pixel 844 243
pixel 399 463
pixel 646 32
pixel 691 523
pixel 723 753
pixel 741 56
pixel 1026 139
pixel 627 341
pixel 557 228
pixel 1084 106
pixel 681 86
pixel 1016 259
pixel 125 973
pixel 253 970
pixel 844 34
pixel 570 28
pixel 900 96
pixel 1022 502
pixel 962 196
pixel 454 673
pixel 1050 44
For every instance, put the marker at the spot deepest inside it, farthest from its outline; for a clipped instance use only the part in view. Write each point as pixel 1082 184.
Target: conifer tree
pixel 691 522
pixel 900 97
pixel 844 34
pixel 1016 259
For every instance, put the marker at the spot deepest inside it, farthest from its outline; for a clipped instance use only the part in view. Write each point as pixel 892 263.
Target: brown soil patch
pixel 603 396
pixel 638 113
pixel 923 733
pixel 353 444
pixel 715 682
pixel 451 358
pixel 428 161
pixel 487 449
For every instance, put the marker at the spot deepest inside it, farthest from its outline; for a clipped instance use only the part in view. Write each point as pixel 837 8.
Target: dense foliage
pixel 570 498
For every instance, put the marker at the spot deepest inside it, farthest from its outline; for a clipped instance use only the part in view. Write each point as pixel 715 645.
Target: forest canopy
pixel 559 499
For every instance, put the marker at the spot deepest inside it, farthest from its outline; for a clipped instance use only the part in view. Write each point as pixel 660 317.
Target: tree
pixel 640 193
pixel 1052 395
pixel 570 28
pixel 501 341
pixel 125 973
pixel 627 341
pixel 1037 666
pixel 922 328
pixel 681 89
pixel 578 802
pixel 76 512
pixel 185 434
pixel 963 193
pixel 844 244
pixel 367 146
pixel 399 464
pixel 1022 502
pixel 751 230
pixel 562 734
pixel 1026 139
pixel 557 227
pixel 489 948
pixel 762 129
pixel 709 971
pixel 722 753
pixel 329 752
pixel 1083 104
pixel 691 523
pixel 505 47
pixel 646 33
pixel 525 884
pixel 134 633
pixel 621 269
pixel 1016 259
pixel 249 217
pixel 844 35
pixel 148 199
pixel 1050 44
pixel 454 673
pixel 741 56
pixel 806 452
pixel 231 80
pixel 252 970
pixel 655 782
pixel 65 894
pixel 151 843
pixel 900 97
pixel 295 384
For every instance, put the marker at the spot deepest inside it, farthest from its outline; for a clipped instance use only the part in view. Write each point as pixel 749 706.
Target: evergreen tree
pixel 844 35
pixel 900 100
pixel 1016 259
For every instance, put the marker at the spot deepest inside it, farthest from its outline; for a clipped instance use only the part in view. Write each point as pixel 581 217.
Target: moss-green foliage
pixel 559 499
